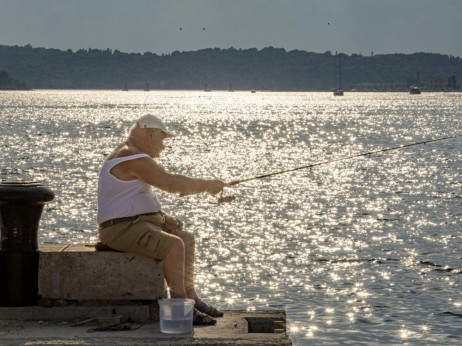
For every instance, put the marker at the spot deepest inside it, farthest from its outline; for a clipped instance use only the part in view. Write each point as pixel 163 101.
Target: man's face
pixel 156 140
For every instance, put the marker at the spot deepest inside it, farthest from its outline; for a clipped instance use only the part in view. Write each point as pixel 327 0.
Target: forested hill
pixel 266 69
pixel 7 83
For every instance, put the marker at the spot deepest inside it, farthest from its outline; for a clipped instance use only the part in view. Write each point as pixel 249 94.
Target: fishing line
pixel 226 199
pixel 235 182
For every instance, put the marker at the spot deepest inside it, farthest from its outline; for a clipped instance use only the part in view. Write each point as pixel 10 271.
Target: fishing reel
pixel 225 199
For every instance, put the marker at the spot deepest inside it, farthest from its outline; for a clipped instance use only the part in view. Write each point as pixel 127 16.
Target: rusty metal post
pixel 21 206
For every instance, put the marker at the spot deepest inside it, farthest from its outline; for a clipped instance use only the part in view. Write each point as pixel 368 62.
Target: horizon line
pixel 28 45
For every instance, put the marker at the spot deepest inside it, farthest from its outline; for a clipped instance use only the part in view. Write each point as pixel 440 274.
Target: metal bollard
pixel 21 205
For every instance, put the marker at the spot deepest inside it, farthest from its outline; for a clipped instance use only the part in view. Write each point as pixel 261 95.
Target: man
pixel 130 217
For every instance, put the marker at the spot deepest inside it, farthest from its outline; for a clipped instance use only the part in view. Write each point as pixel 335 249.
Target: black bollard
pixel 21 205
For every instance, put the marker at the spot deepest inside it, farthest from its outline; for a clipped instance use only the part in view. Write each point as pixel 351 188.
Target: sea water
pixel 361 251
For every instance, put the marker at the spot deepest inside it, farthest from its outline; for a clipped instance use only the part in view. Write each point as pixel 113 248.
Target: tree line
pixel 7 83
pixel 239 69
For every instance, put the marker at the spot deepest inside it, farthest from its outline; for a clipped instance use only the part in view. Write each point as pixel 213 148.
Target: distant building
pixel 446 83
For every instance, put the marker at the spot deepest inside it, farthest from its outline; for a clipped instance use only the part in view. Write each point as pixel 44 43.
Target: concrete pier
pixel 78 272
pixel 231 329
pixel 80 287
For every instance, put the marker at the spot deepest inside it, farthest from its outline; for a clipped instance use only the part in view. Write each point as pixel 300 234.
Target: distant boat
pixel 414 90
pixel 253 91
pixel 339 91
pixel 206 88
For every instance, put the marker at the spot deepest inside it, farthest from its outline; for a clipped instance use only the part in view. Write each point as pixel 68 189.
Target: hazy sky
pixel 348 26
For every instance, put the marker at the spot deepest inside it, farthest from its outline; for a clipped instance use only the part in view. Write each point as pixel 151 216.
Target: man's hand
pixel 172 224
pixel 216 186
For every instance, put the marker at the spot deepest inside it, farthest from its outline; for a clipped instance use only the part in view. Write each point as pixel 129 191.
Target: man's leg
pixel 173 268
pixel 190 251
pixel 176 264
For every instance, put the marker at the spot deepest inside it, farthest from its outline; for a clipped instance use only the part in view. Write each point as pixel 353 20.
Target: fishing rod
pixel 235 182
pixel 225 199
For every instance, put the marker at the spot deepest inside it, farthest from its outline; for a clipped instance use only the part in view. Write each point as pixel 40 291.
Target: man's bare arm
pixel 153 174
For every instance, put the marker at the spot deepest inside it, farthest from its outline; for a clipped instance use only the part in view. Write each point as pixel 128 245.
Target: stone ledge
pixel 133 313
pixel 78 272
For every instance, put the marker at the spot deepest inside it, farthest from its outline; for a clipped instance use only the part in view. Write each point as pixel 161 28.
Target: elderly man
pixel 130 217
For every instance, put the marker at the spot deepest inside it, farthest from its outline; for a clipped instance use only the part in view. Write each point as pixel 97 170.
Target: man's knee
pixel 177 247
pixel 188 238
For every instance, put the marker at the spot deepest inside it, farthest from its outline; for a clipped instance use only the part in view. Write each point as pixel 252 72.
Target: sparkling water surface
pixel 367 250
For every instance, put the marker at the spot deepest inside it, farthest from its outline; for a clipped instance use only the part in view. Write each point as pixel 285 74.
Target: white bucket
pixel 176 315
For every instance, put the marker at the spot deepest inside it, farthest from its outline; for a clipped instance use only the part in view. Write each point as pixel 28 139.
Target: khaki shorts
pixel 143 236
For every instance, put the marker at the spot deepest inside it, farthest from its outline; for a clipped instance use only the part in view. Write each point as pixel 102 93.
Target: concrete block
pixel 76 272
pixel 133 313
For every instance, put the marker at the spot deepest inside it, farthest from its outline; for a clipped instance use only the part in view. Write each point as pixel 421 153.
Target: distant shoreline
pixel 227 69
pixel 237 91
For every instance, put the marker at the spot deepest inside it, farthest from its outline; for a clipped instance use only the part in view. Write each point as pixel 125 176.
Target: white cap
pixel 150 121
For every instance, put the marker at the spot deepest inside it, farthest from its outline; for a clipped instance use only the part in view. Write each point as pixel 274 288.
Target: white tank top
pixel 122 198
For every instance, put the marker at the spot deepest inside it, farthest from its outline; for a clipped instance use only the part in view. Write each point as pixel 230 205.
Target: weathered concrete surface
pixel 77 272
pixel 80 284
pixel 72 314
pixel 230 330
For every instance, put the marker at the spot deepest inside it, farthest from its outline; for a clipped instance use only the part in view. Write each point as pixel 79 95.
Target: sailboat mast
pixel 339 91
pixel 340 72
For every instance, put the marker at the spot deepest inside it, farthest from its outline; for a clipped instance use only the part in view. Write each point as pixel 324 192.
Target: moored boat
pixel 338 92
pixel 414 90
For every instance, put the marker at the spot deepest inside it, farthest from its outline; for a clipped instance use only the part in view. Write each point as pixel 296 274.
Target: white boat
pixel 414 90
pixel 338 92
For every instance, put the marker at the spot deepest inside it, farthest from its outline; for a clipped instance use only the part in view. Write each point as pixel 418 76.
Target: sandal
pixel 200 319
pixel 209 310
